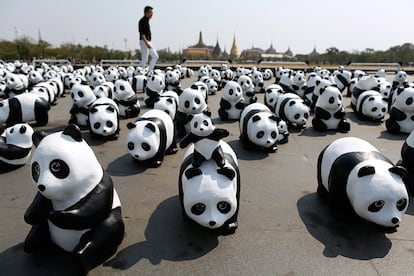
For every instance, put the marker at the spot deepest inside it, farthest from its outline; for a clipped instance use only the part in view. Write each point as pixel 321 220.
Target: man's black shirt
pixel 144 28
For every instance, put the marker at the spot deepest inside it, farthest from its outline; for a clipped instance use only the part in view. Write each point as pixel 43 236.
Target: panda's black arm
pixel 397 115
pixel 130 101
pixel 74 110
pixel 219 133
pixel 225 104
pixel 90 210
pixel 240 105
pixel 152 94
pixel 322 114
pixel 189 138
pixel 340 113
pixel 38 210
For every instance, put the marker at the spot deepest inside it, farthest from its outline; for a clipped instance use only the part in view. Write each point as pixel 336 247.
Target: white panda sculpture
pixel 76 206
pixel 342 78
pixel 151 137
pixel 206 139
pixel 359 180
pixel 257 78
pixel 173 80
pixel 363 84
pixel 329 111
pixel 267 74
pixel 259 128
pixel 139 83
pixel 16 84
pixel 211 200
pixel 105 90
pixel 46 91
pixel 231 102
pixel 15 146
pixel 26 107
pixel 82 97
pixel 407 161
pixel 401 119
pixel 248 89
pixel 168 102
pixel 104 119
pixel 126 99
pixel 292 109
pixel 272 94
pixel 153 90
pixel 371 106
pixel 203 88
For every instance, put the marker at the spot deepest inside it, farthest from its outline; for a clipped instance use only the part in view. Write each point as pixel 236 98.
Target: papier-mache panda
pixel 407 161
pixel 211 200
pixel 401 118
pixel 168 102
pixel 371 106
pixel 259 128
pixel 82 97
pixel 231 102
pixel 151 137
pixel 126 99
pixel 76 206
pixel 153 90
pixel 359 180
pixel 104 119
pixel 292 109
pixel 15 146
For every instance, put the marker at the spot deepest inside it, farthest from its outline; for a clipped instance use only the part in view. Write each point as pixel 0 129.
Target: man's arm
pixel 143 37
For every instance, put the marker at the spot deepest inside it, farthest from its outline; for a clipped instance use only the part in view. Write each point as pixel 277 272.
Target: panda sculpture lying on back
pixel 76 206
pixel 359 180
pixel 211 199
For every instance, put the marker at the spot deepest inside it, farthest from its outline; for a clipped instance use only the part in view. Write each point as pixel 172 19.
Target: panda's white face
pixel 375 107
pixel 297 112
pixel 143 140
pixel 201 125
pixel 97 78
pixel 257 77
pixel 203 71
pixel 82 95
pixel 35 77
pixel 299 78
pixel 405 100
pixel 262 129
pixel 192 101
pixel 167 105
pixel 246 83
pixel 123 90
pixel 282 128
pixel 330 98
pixel 385 90
pixel 202 87
pixel 20 135
pixel 273 92
pixel 14 81
pixel 122 72
pixel 103 119
pixel 212 85
pixel 4 110
pixel 209 199
pixel 215 75
pixel 232 92
pixel 172 77
pixel 155 83
pixel 64 173
pixel 377 194
pixel 401 76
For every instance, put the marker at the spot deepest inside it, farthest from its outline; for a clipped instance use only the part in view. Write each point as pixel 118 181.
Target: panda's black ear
pixel 194 87
pixel 110 109
pixel 273 118
pixel 292 103
pixel 398 170
pixel 169 100
pixel 366 170
pixel 256 118
pixel 38 136
pixel 150 127
pixel 370 99
pixel 317 82
pixel 131 125
pixel 74 132
pixel 207 113
pixel 1 104
pixel 93 110
pixel 322 90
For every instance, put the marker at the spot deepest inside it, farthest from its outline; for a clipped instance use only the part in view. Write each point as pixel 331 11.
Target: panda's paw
pixel 227 172
pixel 192 172
pixel 392 126
pixel 172 150
pixel 272 149
pixel 344 126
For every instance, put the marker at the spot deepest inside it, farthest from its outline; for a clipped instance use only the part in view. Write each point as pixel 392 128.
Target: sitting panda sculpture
pixel 329 111
pixel 401 118
pixel 82 97
pixel 259 128
pixel 357 179
pixel 206 139
pixel 211 200
pixel 371 106
pixel 151 137
pixel 15 146
pixel 104 119
pixel 292 109
pixel 126 99
pixel 75 208
pixel 153 90
pixel 231 103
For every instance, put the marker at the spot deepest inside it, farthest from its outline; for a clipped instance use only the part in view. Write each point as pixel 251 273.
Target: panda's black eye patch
pixel 187 104
pixel 223 207
pixel 306 115
pixel 260 134
pixel 231 92
pixel 297 116
pixel 35 171
pixel 195 124
pixel 131 145
pixel 146 146
pixel 96 125
pixel 376 206
pixel 205 122
pixel 11 130
pixel 59 168
pixel 122 87
pixel 374 109
pixel 409 101
pixel 197 100
pixel 109 124
pixel 401 204
pixel 198 208
pixel 80 94
pixel 383 109
pixel 273 134
pixel 331 100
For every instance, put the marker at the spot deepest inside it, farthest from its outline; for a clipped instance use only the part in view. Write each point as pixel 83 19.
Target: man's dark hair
pixel 147 9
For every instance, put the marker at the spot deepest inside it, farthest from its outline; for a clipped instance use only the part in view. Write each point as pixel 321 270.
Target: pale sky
pixel 348 25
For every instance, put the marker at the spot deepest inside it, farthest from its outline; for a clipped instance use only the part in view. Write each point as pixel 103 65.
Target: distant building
pixel 234 53
pixel 270 53
pixel 199 50
pixel 314 52
pixel 217 50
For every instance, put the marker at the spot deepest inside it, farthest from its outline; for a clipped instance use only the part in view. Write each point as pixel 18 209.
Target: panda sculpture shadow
pixel 356 239
pixel 355 118
pixel 168 237
pixel 51 260
pixel 311 132
pixel 391 136
pixel 125 165
pixel 245 154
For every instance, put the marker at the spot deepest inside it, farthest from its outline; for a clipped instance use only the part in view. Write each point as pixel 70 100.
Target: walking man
pixel 145 40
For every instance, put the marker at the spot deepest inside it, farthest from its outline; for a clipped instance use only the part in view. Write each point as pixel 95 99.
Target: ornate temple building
pixel 270 53
pixel 199 50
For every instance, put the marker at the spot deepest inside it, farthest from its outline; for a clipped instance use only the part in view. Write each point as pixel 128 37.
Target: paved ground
pixel 284 229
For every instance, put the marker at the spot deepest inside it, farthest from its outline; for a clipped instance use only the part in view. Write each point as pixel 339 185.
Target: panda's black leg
pixel 198 159
pixel 38 238
pixel 319 125
pixel 41 113
pixel 392 126
pixel 218 157
pixel 101 242
pixel 224 116
pixel 344 126
pixel 173 148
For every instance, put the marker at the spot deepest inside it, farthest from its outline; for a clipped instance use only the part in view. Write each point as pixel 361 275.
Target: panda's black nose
pixel 212 223
pixel 136 156
pixel 41 187
pixel 395 220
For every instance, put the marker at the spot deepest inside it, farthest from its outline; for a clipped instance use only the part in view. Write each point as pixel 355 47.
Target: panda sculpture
pixel 330 112
pixel 76 206
pixel 257 78
pixel 259 128
pixel 26 107
pixel 211 200
pixel 203 88
pixel 292 109
pixel 191 101
pixel 15 146
pixel 271 95
pixel 407 161
pixel 400 80
pixel 104 90
pixel 168 102
pixel 371 106
pixel 299 85
pixel 139 83
pixel 46 91
pixel 206 139
pixel 401 119
pixel 363 84
pixel 16 84
pixel 82 97
pixel 357 179
pixel 267 74
pixel 104 119
pixel 153 90
pixel 283 130
pixel 231 102
pixel 342 78
pixel 173 81
pixel 248 89
pixel 126 99
pixel 151 137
